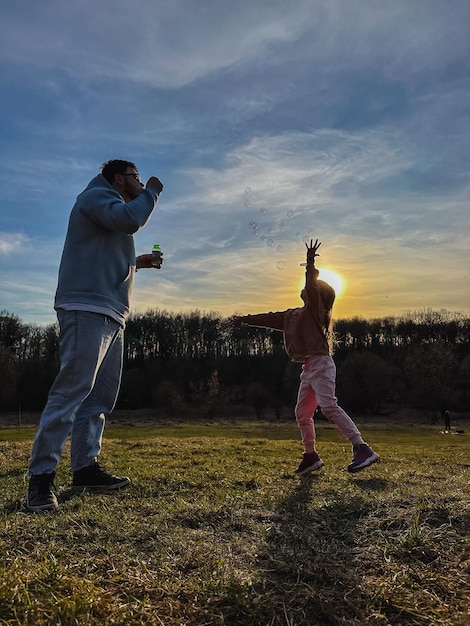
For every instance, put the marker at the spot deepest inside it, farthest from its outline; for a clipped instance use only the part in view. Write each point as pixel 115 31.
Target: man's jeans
pixel 86 387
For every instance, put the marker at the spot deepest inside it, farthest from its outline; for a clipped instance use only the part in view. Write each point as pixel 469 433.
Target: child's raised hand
pixel 312 251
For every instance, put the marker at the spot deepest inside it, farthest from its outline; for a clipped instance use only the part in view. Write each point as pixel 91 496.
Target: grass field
pixel 216 529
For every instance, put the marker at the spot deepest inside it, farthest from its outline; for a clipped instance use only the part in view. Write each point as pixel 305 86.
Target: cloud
pixel 168 46
pixel 311 174
pixel 12 242
pixel 173 44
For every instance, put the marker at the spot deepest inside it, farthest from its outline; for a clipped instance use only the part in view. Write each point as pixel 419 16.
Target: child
pixel 306 341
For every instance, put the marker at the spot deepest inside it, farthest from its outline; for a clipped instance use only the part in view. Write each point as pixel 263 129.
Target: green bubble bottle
pixel 157 256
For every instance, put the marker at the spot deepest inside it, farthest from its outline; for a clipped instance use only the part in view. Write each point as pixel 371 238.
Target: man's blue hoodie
pixel 98 261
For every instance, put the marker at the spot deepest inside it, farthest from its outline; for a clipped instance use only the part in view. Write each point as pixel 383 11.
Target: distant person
pixel 447 419
pixel 306 341
pixel 96 275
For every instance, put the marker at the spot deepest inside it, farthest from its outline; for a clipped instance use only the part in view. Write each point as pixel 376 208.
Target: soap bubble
pixel 281 265
pixel 273 227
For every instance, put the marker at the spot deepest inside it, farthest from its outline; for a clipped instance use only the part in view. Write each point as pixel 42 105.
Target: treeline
pixel 195 360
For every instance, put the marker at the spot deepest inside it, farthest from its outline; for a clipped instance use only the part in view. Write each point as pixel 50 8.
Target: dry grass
pixel 217 530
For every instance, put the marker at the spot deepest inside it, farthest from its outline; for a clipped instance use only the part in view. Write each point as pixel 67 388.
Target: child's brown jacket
pixel 305 328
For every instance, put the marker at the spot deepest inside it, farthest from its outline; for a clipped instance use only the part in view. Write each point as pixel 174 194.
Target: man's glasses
pixel 136 176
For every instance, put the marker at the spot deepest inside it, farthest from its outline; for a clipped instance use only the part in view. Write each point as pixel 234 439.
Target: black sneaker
pixel 96 477
pixel 41 496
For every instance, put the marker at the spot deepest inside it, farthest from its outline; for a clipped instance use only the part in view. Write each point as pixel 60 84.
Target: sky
pixel 269 122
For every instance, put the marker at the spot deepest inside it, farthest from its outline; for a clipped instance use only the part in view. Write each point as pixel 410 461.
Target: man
pixel 447 420
pixel 96 275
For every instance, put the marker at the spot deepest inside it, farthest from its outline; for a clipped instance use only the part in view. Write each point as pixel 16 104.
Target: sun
pixel 333 279
pixel 330 277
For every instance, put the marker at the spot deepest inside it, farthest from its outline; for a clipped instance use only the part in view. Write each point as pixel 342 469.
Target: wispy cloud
pixel 11 242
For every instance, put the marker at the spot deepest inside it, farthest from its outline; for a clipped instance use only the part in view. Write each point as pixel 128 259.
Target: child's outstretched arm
pixel 275 321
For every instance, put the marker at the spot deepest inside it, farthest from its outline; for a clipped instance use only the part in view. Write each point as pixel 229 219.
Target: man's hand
pixel 147 260
pixel 154 184
pixel 312 251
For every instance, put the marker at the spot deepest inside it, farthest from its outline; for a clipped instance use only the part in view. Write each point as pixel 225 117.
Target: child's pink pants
pixel 318 387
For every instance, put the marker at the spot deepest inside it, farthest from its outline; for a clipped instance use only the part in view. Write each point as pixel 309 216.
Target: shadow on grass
pixel 371 484
pixel 308 568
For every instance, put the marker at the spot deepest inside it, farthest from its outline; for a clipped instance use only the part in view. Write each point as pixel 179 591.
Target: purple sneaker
pixel 363 456
pixel 309 463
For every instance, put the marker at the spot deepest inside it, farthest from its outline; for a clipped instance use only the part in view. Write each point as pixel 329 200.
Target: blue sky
pixel 269 122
